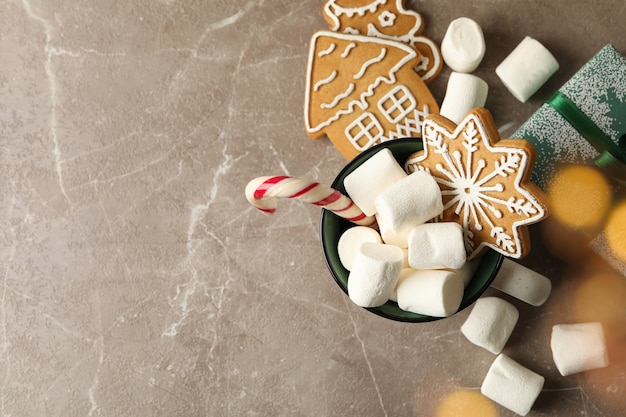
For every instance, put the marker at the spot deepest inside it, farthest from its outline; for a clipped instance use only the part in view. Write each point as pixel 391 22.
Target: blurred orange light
pixel 601 296
pixel 465 403
pixel 564 242
pixel 579 196
pixel 615 231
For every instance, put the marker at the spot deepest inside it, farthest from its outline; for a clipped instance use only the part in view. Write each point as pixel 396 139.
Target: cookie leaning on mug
pixel 485 182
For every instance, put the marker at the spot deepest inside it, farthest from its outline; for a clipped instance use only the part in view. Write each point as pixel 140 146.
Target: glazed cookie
pixel 484 182
pixel 386 19
pixel 362 90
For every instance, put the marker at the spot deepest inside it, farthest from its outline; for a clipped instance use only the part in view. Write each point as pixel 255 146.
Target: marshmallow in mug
pixel 436 293
pixel 463 45
pixel 371 178
pixel 375 271
pixel 351 240
pixel 522 283
pixel 527 68
pixel 409 202
pixel 463 93
pixel 512 385
pixel 400 239
pixel 490 323
pixel 578 347
pixel 466 273
pixel 436 246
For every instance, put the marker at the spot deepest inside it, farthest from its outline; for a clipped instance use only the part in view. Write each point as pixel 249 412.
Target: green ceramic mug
pixel 333 226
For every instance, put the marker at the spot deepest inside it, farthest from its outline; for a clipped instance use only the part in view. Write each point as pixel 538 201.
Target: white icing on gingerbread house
pixel 361 91
pixel 386 19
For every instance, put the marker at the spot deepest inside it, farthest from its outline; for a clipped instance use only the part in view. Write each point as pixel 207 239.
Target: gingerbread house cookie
pixel 361 91
pixel 484 182
pixel 386 19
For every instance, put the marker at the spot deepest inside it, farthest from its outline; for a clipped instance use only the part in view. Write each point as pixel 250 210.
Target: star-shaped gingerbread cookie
pixel 484 182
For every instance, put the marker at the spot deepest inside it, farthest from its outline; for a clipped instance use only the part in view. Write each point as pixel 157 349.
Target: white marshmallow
pixel 405 261
pixel 578 347
pixel 527 68
pixel 394 294
pixel 413 200
pixel 522 283
pixel 374 274
pixel 351 240
pixel 463 93
pixel 490 323
pixel 436 246
pixel 436 293
pixel 463 45
pixel 372 178
pixel 512 385
pixel 400 240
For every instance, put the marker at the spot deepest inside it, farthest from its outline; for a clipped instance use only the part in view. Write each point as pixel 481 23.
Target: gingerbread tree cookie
pixel 386 19
pixel 484 182
pixel 361 91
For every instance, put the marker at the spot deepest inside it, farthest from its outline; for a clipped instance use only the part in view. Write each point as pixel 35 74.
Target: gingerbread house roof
pixel 344 71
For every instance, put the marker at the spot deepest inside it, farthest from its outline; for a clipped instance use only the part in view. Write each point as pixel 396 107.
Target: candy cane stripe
pixel 357 218
pixel 259 193
pixel 265 210
pixel 346 208
pixel 304 190
pixel 262 192
pixel 336 195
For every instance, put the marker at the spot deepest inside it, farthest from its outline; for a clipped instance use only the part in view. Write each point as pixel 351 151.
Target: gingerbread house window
pixel 397 104
pixel 364 131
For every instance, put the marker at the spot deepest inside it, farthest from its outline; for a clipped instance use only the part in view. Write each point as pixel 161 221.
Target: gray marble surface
pixel 136 280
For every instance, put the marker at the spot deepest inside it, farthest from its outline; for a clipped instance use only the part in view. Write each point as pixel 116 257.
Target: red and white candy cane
pixel 262 192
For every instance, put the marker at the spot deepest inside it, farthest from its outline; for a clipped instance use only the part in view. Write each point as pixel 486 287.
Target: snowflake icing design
pixel 481 183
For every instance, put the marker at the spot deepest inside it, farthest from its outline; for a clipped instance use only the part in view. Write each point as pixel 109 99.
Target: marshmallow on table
pixel 490 323
pixel 527 68
pixel 463 93
pixel 436 246
pixel 351 240
pixel 512 385
pixel 578 347
pixel 413 200
pixel 522 283
pixel 436 292
pixel 375 271
pixel 463 45
pixel 371 178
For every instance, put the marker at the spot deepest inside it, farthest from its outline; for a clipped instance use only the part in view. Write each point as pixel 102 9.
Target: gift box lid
pixel 598 90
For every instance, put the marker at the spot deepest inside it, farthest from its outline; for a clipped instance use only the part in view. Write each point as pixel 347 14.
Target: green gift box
pixel 584 121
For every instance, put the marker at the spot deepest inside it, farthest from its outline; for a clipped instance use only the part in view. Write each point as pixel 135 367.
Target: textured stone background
pixel 136 280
